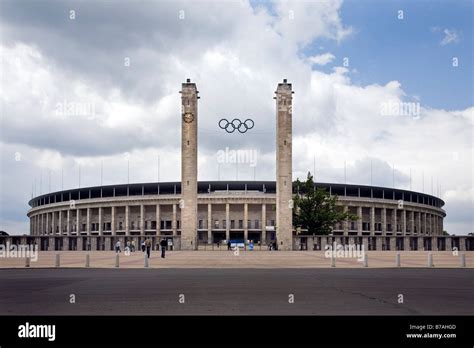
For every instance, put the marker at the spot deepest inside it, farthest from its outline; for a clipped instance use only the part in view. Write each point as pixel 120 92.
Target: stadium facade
pixel 193 214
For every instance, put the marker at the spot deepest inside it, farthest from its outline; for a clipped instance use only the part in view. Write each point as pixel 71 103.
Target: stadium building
pixel 194 215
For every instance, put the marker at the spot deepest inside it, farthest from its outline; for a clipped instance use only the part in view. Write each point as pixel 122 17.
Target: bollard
pixel 397 260
pixel 366 260
pixel 88 260
pixel 146 259
pixel 463 260
pixel 430 260
pixel 58 262
pixel 333 261
pixel 27 262
pixel 117 262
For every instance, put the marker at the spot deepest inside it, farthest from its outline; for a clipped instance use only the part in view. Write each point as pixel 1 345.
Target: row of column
pixel 426 223
pixel 45 223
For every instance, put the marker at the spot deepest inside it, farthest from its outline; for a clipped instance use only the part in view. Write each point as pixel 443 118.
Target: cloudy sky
pixel 387 85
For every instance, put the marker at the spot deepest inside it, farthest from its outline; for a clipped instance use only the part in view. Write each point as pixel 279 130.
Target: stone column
pixel 419 223
pixel 209 223
pixel 284 181
pixel 346 221
pixel 61 226
pixel 359 221
pixel 112 220
pixel 246 225
pixel 378 243
pixel 51 245
pixel 101 228
pixel 80 245
pixel 406 242
pixel 425 226
pixel 127 220
pixel 264 224
pixel 47 223
pixel 88 222
pixel 434 243
pixel 174 224
pixel 384 221
pixel 189 167
pixel 372 220
pixel 449 245
pixel 394 221
pixel 393 243
pixel 78 222
pixel 435 223
pixel 158 220
pixel 142 219
pixel 53 222
pixel 404 222
pixel 421 243
pixel 227 222
pixel 365 243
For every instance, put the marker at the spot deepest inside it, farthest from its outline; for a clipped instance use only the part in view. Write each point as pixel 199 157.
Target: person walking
pixel 148 247
pixel 133 246
pixel 117 247
pixel 163 245
pixel 228 245
pixel 143 246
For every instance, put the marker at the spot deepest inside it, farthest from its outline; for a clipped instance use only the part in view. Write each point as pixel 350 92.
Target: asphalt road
pixel 236 291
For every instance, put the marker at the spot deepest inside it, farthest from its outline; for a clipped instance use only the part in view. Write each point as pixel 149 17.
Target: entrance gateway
pixel 189 169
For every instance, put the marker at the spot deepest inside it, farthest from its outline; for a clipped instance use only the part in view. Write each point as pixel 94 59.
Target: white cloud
pixel 322 59
pixel 450 35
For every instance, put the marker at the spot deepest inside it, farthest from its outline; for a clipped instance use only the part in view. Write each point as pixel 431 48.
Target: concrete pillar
pixel 78 222
pixel 189 167
pixel 60 222
pixel 68 222
pixel 127 220
pixel 209 223
pixel 365 242
pixel 449 246
pixel 404 221
pixel 324 242
pixel 462 243
pixel 406 243
pixel 158 220
pixel 393 243
pixel 112 220
pixel 174 225
pixel 101 229
pixel 359 221
pixel 264 224
pixel 346 221
pixel 419 222
pixel 51 245
pixel 441 227
pixel 421 243
pixel 88 222
pixel 246 225
pixel 425 226
pixel 372 220
pixel 412 221
pixel 434 243
pixel 227 221
pixel 65 243
pixel 284 181
pixel 394 221
pixel 79 243
pixel 53 222
pixel 378 243
pixel 142 219
pixel 384 221
pixel 47 223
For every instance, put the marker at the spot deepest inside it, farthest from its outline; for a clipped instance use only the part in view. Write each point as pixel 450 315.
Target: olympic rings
pixel 231 126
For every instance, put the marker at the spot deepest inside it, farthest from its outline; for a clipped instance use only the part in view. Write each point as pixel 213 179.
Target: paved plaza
pixel 244 259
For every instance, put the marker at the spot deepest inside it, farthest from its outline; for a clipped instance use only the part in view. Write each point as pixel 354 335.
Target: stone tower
pixel 188 203
pixel 284 193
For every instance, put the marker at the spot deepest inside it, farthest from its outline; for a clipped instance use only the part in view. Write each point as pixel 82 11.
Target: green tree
pixel 315 209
